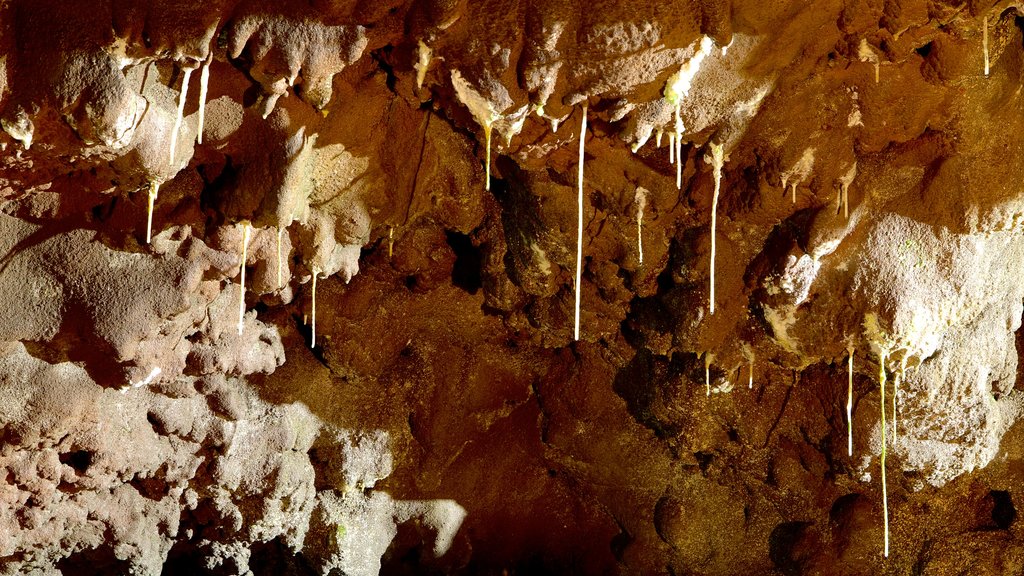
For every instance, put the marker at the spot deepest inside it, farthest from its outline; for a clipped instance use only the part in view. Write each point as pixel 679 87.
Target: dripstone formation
pixel 524 287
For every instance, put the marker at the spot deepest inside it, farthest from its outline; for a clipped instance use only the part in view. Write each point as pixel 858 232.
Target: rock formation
pixel 177 177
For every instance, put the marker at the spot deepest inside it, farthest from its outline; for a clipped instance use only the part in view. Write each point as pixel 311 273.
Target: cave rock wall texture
pixel 343 349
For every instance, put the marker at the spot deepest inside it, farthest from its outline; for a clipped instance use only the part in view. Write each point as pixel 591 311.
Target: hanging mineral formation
pixel 844 189
pixel 423 57
pixel 280 232
pixel 849 402
pixel 867 54
pixel 579 222
pixel 641 202
pixel 984 42
pixel 482 110
pixel 181 112
pixel 707 373
pixel 312 339
pixel 154 189
pixel 241 293
pixel 717 160
pixel 678 87
pixel 204 83
pixel 679 152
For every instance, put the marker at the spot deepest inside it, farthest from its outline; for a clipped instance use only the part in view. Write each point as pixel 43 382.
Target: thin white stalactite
pixel 750 376
pixel 204 83
pixel 641 202
pixel 984 42
pixel 579 223
pixel 312 340
pixel 707 374
pixel 849 403
pixel 391 241
pixel 182 96
pixel 717 159
pixel 280 232
pixel 671 148
pixel 679 162
pixel 154 190
pixel 679 150
pixel 241 294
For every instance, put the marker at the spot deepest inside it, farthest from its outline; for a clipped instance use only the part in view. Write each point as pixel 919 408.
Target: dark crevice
pixel 80 460
pixel 1003 511
pixel 784 547
pixel 468 262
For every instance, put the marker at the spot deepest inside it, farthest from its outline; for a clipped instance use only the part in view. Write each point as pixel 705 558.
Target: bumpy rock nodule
pixel 446 420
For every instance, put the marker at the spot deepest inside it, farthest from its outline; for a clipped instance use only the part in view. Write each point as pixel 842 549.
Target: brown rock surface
pixel 157 419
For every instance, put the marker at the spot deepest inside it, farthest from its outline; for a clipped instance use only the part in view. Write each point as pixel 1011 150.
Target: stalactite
pixel 679 150
pixel 182 96
pixel 312 339
pixel 641 202
pixel 867 54
pixel 204 84
pixel 579 222
pixel 717 159
pixel 849 402
pixel 482 110
pixel 671 148
pixel 422 63
pixel 154 189
pixel 679 162
pixel 391 241
pixel 657 138
pixel 707 373
pixel 645 135
pixel 844 189
pixel 984 42
pixel 750 374
pixel 487 168
pixel 280 232
pixel 246 228
pixel 885 491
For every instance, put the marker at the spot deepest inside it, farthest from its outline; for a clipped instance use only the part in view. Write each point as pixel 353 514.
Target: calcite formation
pixel 527 352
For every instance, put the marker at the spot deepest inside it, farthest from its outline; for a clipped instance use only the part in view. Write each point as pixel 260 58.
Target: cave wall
pixel 396 385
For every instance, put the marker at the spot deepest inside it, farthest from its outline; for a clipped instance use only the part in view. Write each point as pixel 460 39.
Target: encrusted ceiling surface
pixel 549 287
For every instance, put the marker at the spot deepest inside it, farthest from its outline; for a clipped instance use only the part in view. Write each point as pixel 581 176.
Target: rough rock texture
pixel 157 417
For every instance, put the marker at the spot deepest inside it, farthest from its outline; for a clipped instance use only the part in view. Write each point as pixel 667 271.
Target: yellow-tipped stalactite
pixel 154 190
